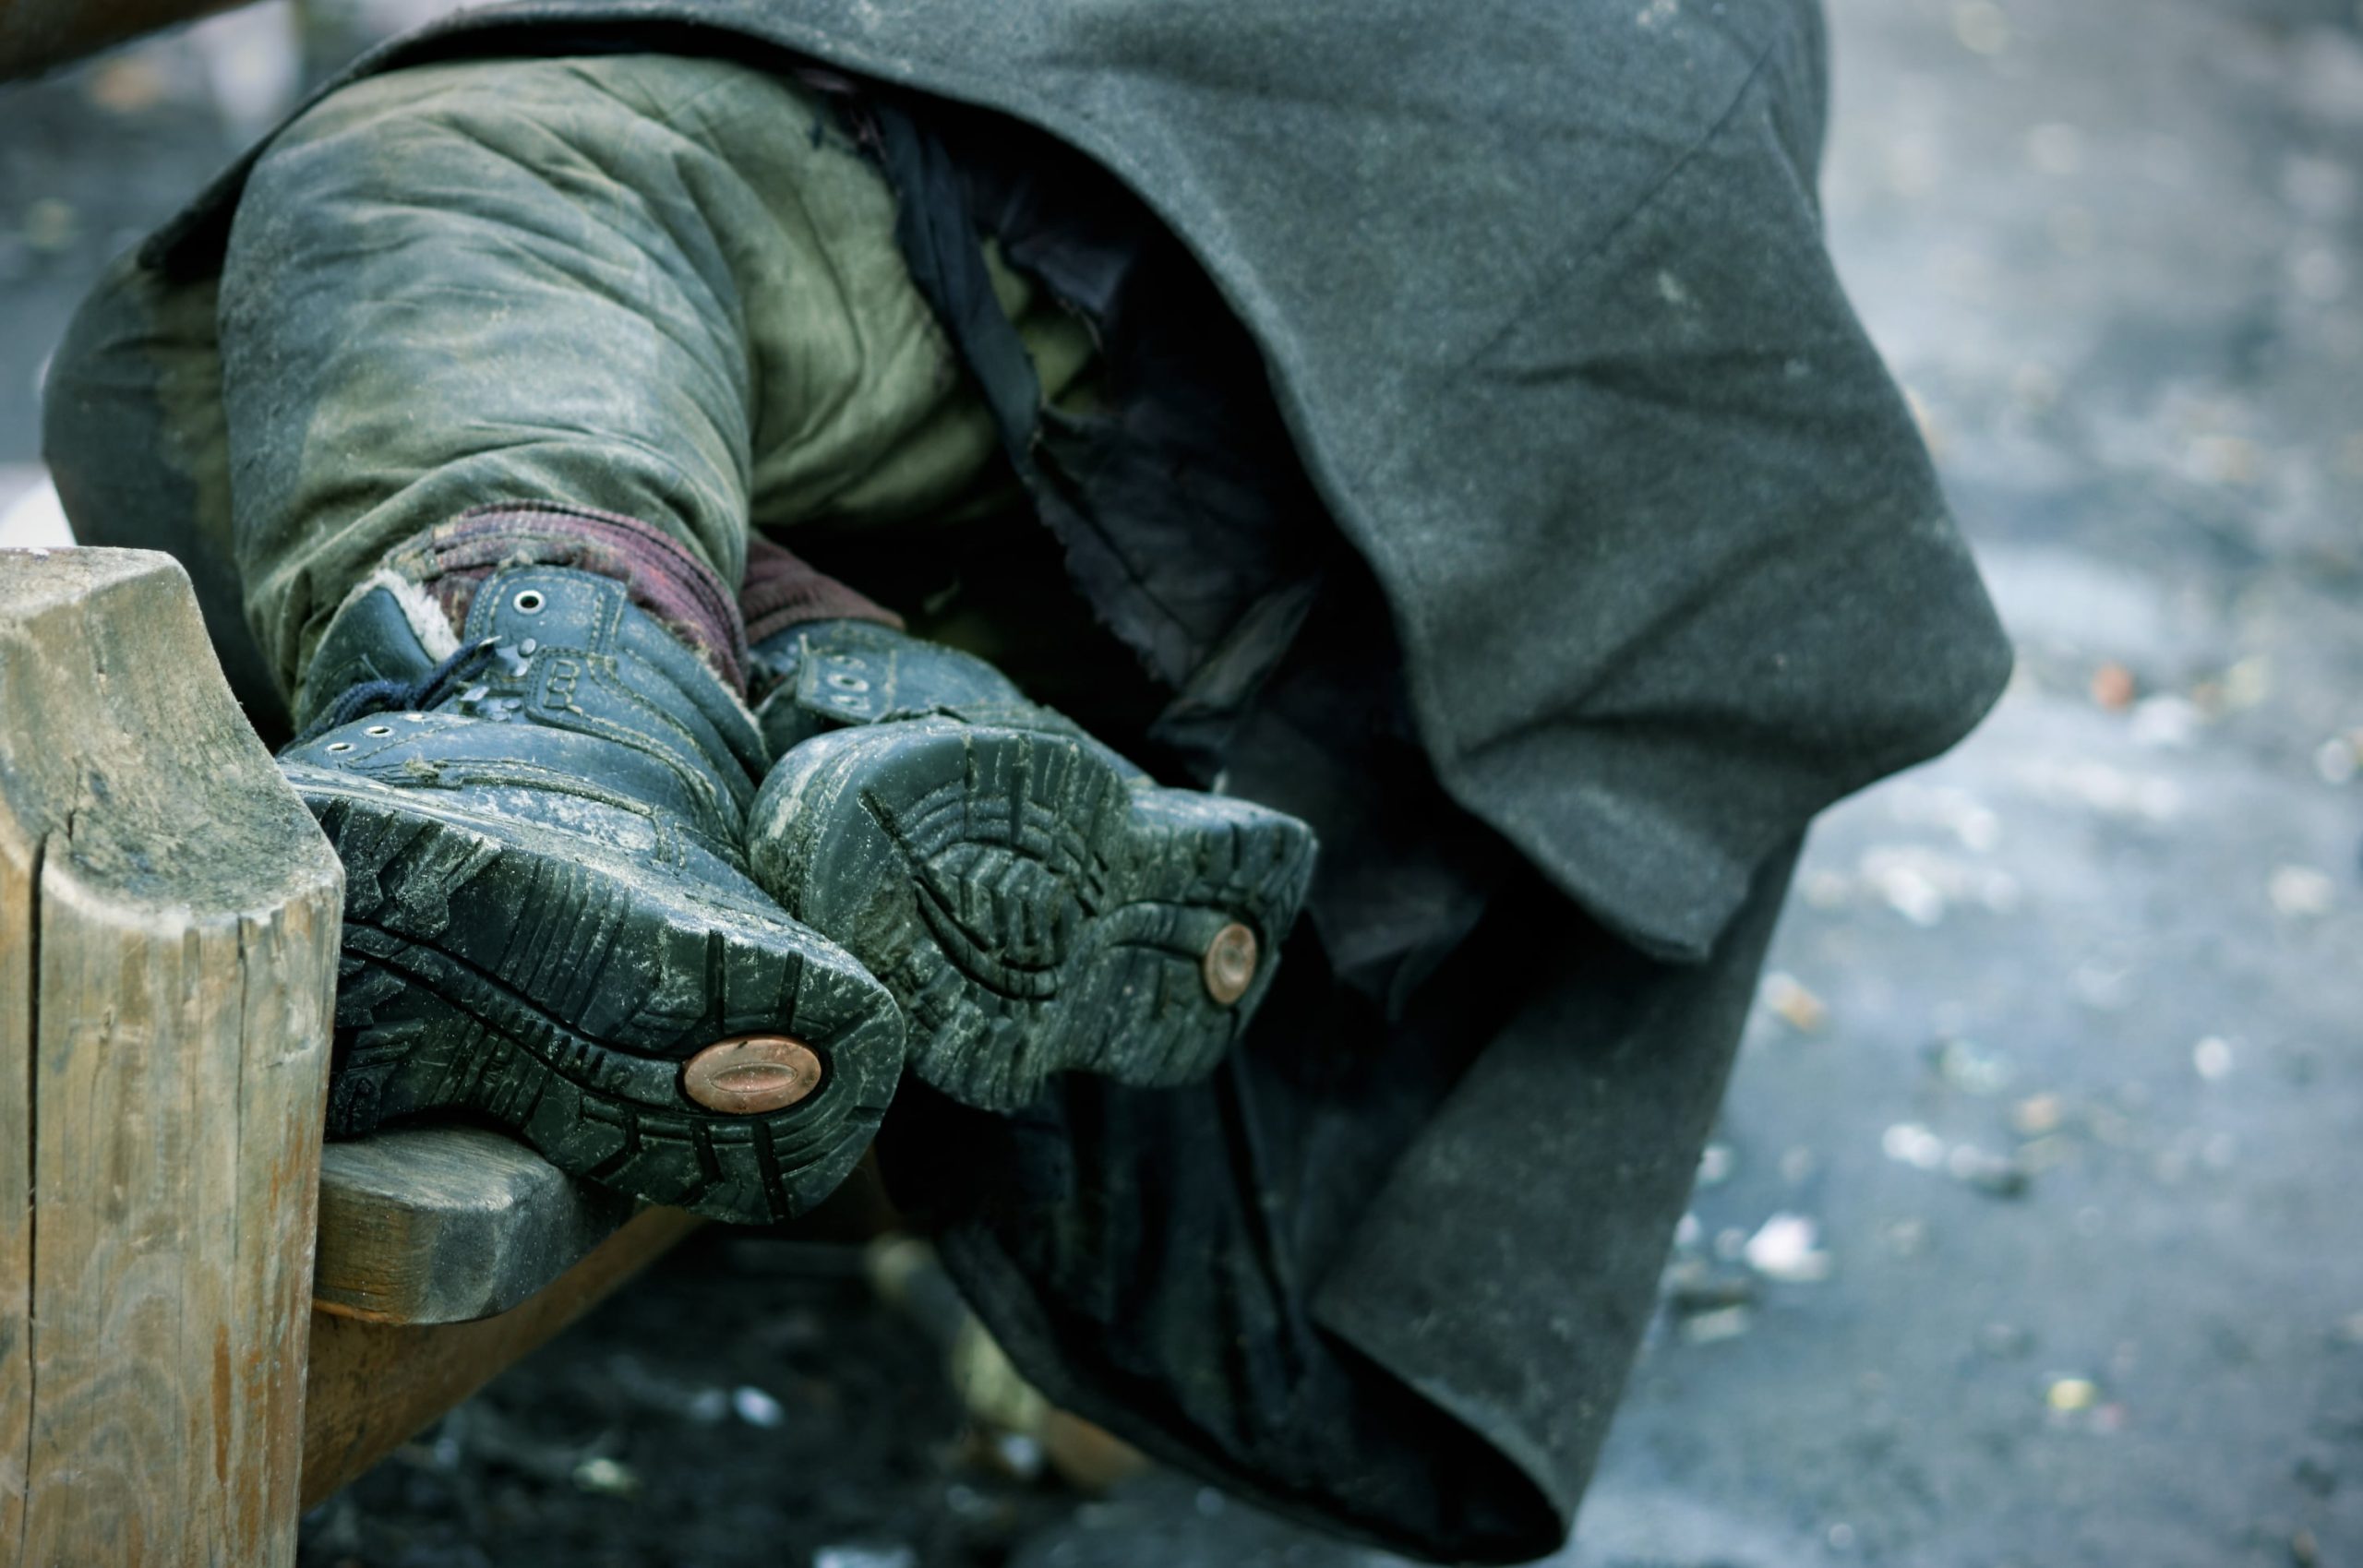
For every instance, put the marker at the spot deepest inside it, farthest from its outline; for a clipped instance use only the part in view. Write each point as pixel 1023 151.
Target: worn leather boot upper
pixel 566 705
pixel 548 919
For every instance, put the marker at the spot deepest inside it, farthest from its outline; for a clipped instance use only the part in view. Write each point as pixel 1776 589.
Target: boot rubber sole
pixel 500 971
pixel 1031 909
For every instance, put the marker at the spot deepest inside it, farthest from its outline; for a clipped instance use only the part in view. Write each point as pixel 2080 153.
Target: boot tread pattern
pixel 1032 910
pixel 497 974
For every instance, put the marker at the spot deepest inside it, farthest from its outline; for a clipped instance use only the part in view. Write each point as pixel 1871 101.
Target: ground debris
pixel 1794 1004
pixel 1785 1248
pixel 865 1557
pixel 1695 1286
pixel 2037 1116
pixel 2301 891
pixel 2113 687
pixel 1963 1065
pixel 2068 1395
pixel 2001 1176
pixel 1711 1328
pixel 604 1477
pixel 1716 1163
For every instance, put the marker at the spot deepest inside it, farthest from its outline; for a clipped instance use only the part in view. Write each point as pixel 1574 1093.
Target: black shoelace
pixel 402 696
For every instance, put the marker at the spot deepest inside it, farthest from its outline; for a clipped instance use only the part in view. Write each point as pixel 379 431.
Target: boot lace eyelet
pixel 529 601
pixel 339 746
pixel 378 729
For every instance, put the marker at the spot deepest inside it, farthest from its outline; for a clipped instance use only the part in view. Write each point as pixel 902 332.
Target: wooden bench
pixel 208 1321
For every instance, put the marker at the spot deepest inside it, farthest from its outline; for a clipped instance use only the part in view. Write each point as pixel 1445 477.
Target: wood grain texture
pixel 375 1384
pixel 443 1224
pixel 175 912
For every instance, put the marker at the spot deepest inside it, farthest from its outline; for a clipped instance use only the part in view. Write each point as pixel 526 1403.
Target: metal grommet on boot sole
pixel 1228 964
pixel 751 1074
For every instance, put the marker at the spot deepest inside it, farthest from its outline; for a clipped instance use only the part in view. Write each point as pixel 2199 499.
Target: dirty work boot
pixel 547 921
pixel 1035 902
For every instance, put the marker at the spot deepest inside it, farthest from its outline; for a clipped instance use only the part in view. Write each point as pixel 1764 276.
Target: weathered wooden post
pixel 168 937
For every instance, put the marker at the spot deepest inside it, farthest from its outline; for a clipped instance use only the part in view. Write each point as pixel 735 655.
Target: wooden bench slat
pixel 445 1225
pixel 373 1385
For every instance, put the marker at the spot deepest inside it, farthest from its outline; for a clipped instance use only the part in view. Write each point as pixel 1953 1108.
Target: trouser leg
pixel 507 352
pixel 637 286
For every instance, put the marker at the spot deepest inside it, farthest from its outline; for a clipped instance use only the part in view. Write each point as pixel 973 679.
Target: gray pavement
pixel 2110 945
pixel 2033 1233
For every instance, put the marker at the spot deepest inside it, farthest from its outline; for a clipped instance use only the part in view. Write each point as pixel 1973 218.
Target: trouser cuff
pixel 453 558
pixel 781 591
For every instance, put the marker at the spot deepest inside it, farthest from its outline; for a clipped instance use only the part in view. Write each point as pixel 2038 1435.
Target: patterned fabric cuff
pixel 452 560
pixel 781 591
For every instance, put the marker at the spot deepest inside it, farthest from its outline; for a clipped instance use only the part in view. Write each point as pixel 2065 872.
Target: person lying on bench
pixel 832 565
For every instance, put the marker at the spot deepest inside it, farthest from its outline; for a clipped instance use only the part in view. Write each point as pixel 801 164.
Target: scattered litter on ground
pixel 1952 809
pixel 2068 1395
pixel 1908 1143
pixel 2035 1115
pixel 1794 1004
pixel 1693 1286
pixel 865 1557
pixel 1963 1065
pixel 604 1477
pixel 2211 1058
pixel 754 1406
pixel 2301 890
pixel 2111 791
pixel 1924 885
pixel 1785 1248
pixel 1716 1163
pixel 2248 683
pixel 2103 987
pixel 2113 687
pixel 2001 1176
pixel 1711 1328
pixel 2165 723
pixel 1019 1455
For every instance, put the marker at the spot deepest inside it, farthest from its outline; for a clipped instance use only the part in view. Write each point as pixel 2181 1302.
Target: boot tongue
pixel 369 641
